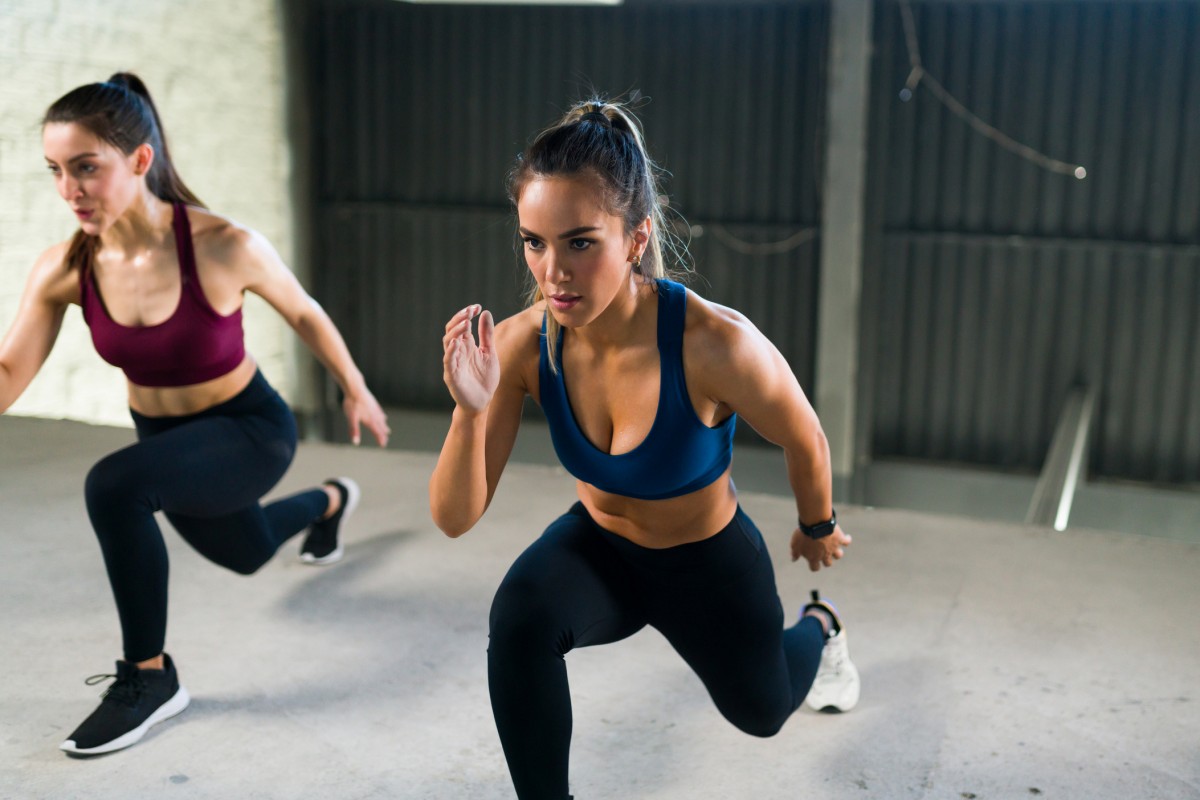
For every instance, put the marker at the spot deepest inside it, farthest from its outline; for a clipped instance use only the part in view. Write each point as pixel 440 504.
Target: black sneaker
pixel 137 700
pixel 323 545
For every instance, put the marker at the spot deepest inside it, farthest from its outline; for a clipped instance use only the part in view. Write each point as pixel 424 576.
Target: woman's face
pixel 578 252
pixel 97 180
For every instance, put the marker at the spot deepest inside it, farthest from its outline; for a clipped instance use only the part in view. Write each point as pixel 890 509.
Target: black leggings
pixel 579 585
pixel 207 471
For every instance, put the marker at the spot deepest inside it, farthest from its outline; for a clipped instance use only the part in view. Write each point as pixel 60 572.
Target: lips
pixel 83 213
pixel 564 301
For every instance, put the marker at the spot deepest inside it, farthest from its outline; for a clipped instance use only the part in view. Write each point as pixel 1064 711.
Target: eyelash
pixel 535 244
pixel 86 169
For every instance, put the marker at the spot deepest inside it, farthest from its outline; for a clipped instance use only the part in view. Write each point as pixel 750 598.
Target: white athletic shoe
pixel 837 685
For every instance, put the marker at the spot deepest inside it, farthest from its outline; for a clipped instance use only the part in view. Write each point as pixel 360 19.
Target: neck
pixel 617 326
pixel 147 222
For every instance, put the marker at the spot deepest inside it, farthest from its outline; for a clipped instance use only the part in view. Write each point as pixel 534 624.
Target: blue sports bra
pixel 679 455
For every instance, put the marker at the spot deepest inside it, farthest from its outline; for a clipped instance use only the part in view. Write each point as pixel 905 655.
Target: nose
pixel 68 188
pixel 554 268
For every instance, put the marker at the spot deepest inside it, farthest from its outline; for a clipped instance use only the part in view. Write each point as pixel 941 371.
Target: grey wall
pixel 419 110
pixel 990 286
pixel 995 286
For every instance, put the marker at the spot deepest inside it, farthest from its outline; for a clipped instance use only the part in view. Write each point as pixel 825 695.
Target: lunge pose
pixel 161 281
pixel 641 381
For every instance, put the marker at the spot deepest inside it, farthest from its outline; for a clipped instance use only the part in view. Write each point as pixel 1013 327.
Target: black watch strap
pixel 821 529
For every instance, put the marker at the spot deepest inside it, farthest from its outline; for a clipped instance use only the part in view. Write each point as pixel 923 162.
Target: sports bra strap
pixel 184 251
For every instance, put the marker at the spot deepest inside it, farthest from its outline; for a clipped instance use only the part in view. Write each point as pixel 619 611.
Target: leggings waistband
pixel 256 397
pixel 734 548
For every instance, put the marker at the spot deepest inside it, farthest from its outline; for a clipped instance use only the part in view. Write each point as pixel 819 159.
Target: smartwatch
pixel 821 529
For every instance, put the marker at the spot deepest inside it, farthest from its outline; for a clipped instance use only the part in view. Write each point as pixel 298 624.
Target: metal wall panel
pixel 419 110
pixel 993 286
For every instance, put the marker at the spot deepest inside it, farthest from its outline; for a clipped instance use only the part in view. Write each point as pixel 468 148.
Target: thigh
pixel 726 620
pixel 211 466
pixel 568 586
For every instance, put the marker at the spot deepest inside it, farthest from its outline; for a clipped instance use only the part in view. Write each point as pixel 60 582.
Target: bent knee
pixel 110 483
pixel 523 613
pixel 247 568
pixel 763 725
pixel 243 563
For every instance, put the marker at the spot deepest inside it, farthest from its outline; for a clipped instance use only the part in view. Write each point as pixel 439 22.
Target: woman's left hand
pixel 819 552
pixel 362 409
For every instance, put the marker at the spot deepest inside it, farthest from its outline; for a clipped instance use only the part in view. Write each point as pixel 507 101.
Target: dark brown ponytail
pixel 119 111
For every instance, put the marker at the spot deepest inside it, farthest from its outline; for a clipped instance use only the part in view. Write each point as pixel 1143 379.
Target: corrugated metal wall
pixel 992 286
pixel 419 110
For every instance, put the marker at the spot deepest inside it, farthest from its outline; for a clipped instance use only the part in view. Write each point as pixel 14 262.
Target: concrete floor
pixel 998 661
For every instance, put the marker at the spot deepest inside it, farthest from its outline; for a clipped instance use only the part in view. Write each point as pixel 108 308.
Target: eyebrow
pixel 73 159
pixel 565 234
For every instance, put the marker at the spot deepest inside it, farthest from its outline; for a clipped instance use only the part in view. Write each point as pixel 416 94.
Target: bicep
pixel 503 422
pixel 266 275
pixel 35 328
pixel 517 349
pixel 765 393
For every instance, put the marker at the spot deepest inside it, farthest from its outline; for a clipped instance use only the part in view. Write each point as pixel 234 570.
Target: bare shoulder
pixel 518 345
pixel 520 332
pixel 716 334
pixel 220 240
pixel 52 278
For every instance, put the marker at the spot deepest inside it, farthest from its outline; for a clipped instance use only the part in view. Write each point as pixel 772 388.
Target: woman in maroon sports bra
pixel 161 281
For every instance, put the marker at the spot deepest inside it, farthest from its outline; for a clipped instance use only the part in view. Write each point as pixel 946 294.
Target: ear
pixel 641 238
pixel 141 159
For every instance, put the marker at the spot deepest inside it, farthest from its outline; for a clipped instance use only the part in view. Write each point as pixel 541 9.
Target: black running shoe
pixel 137 700
pixel 323 545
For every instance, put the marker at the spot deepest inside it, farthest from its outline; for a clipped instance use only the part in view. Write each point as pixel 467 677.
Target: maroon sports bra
pixel 195 344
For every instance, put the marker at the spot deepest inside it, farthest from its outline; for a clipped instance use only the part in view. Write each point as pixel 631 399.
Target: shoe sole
pixel 178 702
pixel 353 494
pixel 836 704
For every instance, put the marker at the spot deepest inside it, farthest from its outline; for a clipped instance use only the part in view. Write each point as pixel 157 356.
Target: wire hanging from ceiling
pixel 918 76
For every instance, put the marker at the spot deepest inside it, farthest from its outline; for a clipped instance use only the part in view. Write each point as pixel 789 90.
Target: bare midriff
pixel 180 401
pixel 658 524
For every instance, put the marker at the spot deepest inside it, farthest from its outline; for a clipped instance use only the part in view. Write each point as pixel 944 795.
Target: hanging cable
pixel 917 75
pixel 739 245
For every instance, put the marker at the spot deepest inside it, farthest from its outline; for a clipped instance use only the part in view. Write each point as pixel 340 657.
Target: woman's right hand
pixel 471 371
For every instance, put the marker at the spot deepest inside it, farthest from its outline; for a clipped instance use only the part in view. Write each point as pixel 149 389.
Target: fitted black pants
pixel 578 585
pixel 207 472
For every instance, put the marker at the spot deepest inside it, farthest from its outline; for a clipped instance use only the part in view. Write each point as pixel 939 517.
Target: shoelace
pixel 126 691
pixel 832 662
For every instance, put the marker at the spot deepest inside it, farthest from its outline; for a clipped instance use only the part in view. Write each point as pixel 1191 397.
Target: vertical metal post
pixel 842 224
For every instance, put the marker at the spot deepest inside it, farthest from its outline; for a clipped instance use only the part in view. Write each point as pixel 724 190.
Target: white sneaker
pixel 836 686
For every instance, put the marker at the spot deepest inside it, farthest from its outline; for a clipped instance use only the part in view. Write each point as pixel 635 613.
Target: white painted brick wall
pixel 216 71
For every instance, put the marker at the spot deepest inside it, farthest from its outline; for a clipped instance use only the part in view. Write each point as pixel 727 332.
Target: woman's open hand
pixel 471 371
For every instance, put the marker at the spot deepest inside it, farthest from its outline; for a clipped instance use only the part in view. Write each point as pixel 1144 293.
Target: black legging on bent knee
pixel 206 471
pixel 578 585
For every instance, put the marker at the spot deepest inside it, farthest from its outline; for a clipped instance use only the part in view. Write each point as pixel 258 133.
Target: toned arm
pixel 246 259
pixel 50 289
pixel 489 382
pixel 738 367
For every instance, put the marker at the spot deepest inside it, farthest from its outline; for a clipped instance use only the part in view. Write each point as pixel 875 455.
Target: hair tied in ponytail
pixel 596 116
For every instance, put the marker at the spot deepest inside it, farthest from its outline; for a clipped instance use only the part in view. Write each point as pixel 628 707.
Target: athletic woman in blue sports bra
pixel 641 381
pixel 161 281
